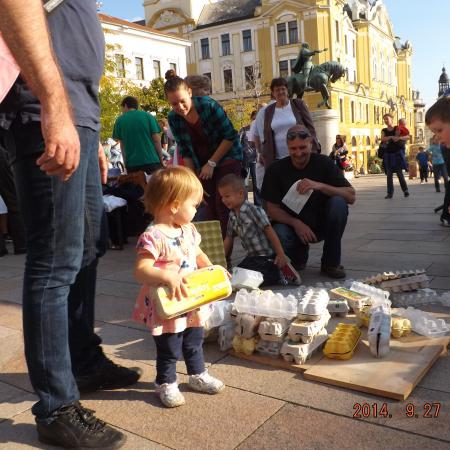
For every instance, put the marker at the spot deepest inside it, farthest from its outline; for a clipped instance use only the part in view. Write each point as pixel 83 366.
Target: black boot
pixel 77 427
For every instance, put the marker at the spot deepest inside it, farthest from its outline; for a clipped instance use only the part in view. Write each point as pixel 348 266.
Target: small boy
pixel 264 251
pixel 438 120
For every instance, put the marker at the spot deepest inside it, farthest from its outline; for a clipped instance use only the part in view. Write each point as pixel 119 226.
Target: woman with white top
pixel 279 117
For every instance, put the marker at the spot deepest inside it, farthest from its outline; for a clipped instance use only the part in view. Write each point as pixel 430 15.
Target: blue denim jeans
pixel 328 224
pixel 63 223
pixel 170 347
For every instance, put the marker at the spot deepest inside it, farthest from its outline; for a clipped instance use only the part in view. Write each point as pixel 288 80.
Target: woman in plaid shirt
pixel 207 141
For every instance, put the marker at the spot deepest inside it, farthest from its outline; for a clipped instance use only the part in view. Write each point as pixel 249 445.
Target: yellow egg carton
pixel 243 345
pixel 342 342
pixel 204 286
pixel 400 327
pixel 363 316
pixel 354 299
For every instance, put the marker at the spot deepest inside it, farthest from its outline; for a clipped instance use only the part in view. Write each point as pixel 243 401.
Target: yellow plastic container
pixel 363 316
pixel 400 327
pixel 246 346
pixel 204 286
pixel 342 342
pixel 354 299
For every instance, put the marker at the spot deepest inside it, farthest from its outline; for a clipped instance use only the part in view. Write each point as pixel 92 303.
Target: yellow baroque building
pixel 242 44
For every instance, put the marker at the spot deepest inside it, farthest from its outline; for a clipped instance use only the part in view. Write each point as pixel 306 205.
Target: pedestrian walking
pixel 439 168
pixel 422 160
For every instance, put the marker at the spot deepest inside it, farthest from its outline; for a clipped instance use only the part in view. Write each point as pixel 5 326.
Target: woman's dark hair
pixel 278 82
pixel 198 83
pixel 130 102
pixel 174 83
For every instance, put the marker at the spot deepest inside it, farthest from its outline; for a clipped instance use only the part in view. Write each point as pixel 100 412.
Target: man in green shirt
pixel 138 133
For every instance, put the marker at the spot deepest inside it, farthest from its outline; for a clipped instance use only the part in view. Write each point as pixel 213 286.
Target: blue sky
pixel 423 23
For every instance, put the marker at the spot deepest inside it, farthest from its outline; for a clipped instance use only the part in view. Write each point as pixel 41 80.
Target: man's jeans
pixel 438 170
pixel 328 224
pixel 63 224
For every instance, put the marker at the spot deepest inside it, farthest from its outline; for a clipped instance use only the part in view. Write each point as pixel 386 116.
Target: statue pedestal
pixel 326 122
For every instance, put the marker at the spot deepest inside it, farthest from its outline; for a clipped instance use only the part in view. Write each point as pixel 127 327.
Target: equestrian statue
pixel 309 77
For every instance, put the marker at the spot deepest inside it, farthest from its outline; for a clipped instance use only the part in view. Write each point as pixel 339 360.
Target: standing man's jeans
pixel 438 170
pixel 63 224
pixel 256 194
pixel 328 224
pixel 390 180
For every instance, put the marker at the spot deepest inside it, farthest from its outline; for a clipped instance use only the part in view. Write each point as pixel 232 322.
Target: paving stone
pixel 299 427
pixel 118 289
pixel 11 315
pixel 13 401
pixel 438 376
pixel 116 310
pixel 430 248
pixel 124 275
pixel 13 295
pixel 8 284
pixel 441 282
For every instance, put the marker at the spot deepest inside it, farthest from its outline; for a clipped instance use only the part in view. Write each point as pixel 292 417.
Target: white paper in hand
pixel 295 201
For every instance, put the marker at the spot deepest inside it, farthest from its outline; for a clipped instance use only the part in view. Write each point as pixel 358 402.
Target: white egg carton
pixel 338 308
pixel 266 304
pixel 220 314
pixel 385 276
pixel 420 297
pixel 247 325
pixel 273 329
pixel 377 296
pixel 305 330
pixel 313 304
pixel 226 334
pixel 246 279
pixel 406 284
pixel 423 323
pixel 445 298
pixel 269 348
pixel 379 331
pixel 300 353
pixel 355 300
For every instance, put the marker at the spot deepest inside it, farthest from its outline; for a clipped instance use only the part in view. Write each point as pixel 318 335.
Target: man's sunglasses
pixel 297 134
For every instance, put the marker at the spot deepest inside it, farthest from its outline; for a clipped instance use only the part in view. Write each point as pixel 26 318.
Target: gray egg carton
pixel 300 353
pixel 273 329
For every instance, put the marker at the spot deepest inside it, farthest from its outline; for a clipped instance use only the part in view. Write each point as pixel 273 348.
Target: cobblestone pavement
pixel 261 407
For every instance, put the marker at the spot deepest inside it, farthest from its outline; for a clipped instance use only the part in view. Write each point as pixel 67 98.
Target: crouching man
pixel 323 216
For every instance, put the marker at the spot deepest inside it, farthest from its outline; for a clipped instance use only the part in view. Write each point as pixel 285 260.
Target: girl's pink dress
pixel 177 254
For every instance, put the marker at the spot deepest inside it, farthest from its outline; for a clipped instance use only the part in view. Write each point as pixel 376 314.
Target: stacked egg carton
pixel 355 300
pixel 342 342
pixel 400 281
pixel 307 332
pixel 423 323
pixel 272 333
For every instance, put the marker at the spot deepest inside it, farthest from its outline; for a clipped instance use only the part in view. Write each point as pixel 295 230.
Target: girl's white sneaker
pixel 170 395
pixel 204 382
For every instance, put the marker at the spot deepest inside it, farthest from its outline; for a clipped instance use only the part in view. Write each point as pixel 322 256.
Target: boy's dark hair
pixel 233 181
pixel 130 102
pixel 440 110
pixel 278 82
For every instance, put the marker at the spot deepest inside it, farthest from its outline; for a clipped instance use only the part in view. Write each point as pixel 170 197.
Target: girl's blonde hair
pixel 170 185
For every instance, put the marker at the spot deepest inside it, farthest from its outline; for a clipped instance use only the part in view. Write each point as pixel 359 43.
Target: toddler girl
pixel 168 250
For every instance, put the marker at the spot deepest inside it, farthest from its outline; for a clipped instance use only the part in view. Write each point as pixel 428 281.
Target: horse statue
pixel 319 77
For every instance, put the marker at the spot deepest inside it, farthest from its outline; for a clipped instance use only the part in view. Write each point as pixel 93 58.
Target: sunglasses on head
pixel 297 134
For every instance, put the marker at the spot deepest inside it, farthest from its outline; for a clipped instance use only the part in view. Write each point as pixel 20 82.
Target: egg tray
pixel 338 308
pixel 379 331
pixel 269 348
pixel 273 329
pixel 354 299
pixel 380 277
pixel 363 316
pixel 400 327
pixel 304 331
pixel 313 303
pixel 299 352
pixel 406 284
pixel 243 345
pixel 342 342
pixel 226 335
pixel 247 325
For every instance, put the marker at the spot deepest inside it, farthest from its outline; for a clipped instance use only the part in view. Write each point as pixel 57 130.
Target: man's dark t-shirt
pixel 78 43
pixel 281 175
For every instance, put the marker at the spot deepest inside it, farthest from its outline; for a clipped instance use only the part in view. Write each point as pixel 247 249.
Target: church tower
pixel 173 16
pixel 444 83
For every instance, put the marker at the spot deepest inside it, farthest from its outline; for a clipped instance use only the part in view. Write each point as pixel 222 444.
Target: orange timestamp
pixel 376 410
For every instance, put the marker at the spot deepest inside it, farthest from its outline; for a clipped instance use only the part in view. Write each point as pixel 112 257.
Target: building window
pixel 354 48
pixel 292 64
pixel 346 44
pixel 226 47
pixel 341 109
pixel 228 80
pixel 293 32
pixel 173 67
pixel 204 43
pixel 420 117
pixel 354 143
pixel 352 107
pixel 247 40
pixel 208 75
pixel 281 33
pixel 120 66
pixel 354 76
pixel 139 64
pixel 367 113
pixel 382 68
pixel 374 64
pixel 249 77
pixel 337 31
pixel 284 68
pixel 157 68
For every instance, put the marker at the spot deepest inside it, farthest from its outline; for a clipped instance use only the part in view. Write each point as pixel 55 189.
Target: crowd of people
pixel 49 140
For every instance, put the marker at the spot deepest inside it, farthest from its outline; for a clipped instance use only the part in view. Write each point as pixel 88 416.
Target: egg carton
pixel 423 323
pixel 269 348
pixel 354 299
pixel 247 325
pixel 377 296
pixel 400 327
pixel 338 308
pixel 445 298
pixel 305 330
pixel 220 314
pixel 420 297
pixel 385 276
pixel 379 331
pixel 363 316
pixel 328 285
pixel 243 345
pixel 226 335
pixel 266 304
pixel 342 342
pixel 406 284
pixel 313 304
pixel 273 329
pixel 246 279
pixel 300 353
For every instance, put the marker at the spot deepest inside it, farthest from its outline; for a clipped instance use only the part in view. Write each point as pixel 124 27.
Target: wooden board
pixel 393 376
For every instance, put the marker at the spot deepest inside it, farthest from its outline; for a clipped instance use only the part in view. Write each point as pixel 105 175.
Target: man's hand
pixel 103 164
pixel 281 260
pixel 62 144
pixel 305 234
pixel 206 173
pixel 306 185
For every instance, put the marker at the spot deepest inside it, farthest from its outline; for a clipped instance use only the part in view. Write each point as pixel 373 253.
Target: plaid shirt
pixel 215 124
pixel 249 225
